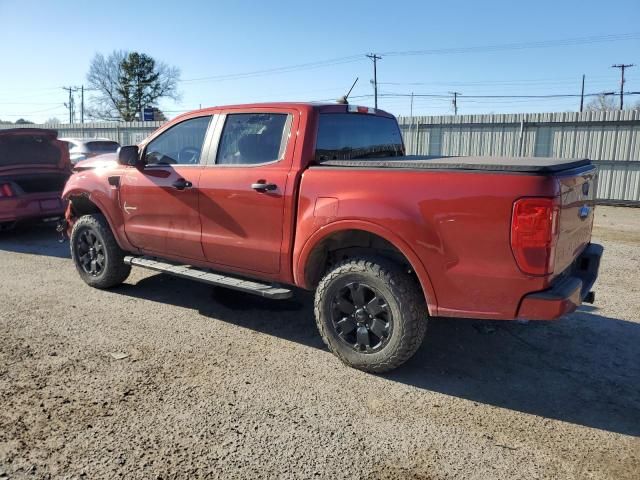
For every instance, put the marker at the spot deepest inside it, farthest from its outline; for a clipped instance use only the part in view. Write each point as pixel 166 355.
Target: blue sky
pixel 49 44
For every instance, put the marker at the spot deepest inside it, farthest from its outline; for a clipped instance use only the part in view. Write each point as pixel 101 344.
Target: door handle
pixel 181 184
pixel 264 186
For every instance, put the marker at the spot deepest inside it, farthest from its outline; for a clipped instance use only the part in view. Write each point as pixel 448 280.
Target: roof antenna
pixel 343 100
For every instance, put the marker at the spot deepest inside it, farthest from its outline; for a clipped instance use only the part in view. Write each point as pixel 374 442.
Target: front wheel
pixel 96 254
pixel 370 313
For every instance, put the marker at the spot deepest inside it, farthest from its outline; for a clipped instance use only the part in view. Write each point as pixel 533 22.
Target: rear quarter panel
pixel 455 225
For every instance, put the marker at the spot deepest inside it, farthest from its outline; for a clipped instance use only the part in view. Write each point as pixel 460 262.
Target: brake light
pixel 6 191
pixel 534 234
pixel 359 109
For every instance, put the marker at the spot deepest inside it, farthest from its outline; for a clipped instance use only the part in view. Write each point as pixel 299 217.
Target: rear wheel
pixel 370 313
pixel 96 254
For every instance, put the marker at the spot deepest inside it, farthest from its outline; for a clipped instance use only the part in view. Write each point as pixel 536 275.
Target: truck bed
pixel 533 165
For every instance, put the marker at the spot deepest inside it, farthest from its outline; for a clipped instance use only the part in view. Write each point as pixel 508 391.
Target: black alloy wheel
pixel 361 317
pixel 91 253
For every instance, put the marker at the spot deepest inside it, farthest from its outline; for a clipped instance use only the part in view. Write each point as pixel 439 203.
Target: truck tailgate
pixel 575 218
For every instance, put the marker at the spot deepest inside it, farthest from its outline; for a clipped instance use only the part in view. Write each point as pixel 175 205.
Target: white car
pixel 85 148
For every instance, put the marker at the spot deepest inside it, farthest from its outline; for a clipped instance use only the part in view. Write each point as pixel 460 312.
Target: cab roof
pixel 322 107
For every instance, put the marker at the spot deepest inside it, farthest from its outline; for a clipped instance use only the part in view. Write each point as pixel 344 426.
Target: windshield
pixel 345 136
pixel 102 146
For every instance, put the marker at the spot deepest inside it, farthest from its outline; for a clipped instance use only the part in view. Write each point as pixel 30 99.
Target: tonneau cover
pixel 539 165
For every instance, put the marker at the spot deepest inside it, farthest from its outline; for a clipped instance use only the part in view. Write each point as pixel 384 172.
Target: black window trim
pixel 219 129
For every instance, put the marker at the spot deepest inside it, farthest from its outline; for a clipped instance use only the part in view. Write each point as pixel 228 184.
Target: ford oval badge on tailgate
pixel 585 189
pixel 584 211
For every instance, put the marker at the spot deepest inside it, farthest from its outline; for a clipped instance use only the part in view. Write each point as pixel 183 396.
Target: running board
pixel 205 276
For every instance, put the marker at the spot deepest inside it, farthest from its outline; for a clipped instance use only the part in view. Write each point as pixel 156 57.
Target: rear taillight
pixel 6 190
pixel 359 109
pixel 534 234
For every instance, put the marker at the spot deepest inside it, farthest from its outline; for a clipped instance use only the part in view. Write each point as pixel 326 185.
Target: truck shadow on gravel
pixel 584 369
pixel 35 240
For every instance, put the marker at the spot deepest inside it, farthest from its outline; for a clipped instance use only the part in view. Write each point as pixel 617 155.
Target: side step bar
pixel 205 276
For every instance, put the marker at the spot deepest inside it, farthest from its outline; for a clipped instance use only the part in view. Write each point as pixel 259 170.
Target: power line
pixel 521 45
pixel 505 83
pixel 286 69
pixel 559 95
pixel 443 51
pixel 24 114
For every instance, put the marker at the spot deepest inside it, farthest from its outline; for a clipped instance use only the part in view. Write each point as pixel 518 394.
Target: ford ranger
pixel 267 197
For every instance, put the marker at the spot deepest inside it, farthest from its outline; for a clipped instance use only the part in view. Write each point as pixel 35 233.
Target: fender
pixel 105 197
pixel 340 225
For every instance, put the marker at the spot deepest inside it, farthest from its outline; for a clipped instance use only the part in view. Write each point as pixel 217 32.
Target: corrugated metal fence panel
pixel 610 139
pixel 126 133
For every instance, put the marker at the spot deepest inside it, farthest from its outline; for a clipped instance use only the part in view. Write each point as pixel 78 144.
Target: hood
pixel 33 149
pixel 106 160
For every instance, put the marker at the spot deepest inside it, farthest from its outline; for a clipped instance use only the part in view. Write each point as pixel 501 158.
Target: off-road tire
pixel 115 271
pixel 404 297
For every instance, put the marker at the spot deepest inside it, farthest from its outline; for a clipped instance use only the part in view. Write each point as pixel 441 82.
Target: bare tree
pixel 125 82
pixel 602 103
pixel 53 121
pixel 103 78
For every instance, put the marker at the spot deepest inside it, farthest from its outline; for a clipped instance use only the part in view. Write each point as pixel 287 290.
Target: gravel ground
pixel 219 384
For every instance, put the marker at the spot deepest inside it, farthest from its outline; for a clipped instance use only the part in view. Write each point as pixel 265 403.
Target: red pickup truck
pixel 265 197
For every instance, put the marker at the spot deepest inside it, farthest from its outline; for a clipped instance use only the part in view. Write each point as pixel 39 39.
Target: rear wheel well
pixel 345 244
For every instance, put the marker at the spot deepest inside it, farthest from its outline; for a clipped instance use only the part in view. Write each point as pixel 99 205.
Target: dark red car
pixel 264 197
pixel 34 167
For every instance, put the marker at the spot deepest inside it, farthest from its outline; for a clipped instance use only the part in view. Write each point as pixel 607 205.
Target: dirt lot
pixel 231 386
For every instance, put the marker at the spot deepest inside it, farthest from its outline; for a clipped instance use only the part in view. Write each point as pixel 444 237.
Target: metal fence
pixel 125 133
pixel 610 139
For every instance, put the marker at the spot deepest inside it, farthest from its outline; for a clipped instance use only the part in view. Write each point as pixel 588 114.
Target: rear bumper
pixel 567 292
pixel 29 207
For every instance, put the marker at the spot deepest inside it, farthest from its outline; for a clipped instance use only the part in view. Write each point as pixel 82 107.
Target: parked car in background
pixel 34 166
pixel 99 161
pixel 262 197
pixel 84 148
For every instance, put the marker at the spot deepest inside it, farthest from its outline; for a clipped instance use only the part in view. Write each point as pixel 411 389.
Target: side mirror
pixel 129 155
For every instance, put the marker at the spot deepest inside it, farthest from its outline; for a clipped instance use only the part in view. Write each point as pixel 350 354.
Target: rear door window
pixel 253 138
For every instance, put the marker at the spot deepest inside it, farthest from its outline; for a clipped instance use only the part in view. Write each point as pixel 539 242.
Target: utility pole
pixel 82 104
pixel 411 114
pixel 582 94
pixel 622 67
pixel 455 101
pixel 70 105
pixel 375 58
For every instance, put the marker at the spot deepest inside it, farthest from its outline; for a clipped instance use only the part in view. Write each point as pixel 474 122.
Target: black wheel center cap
pixel 361 315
